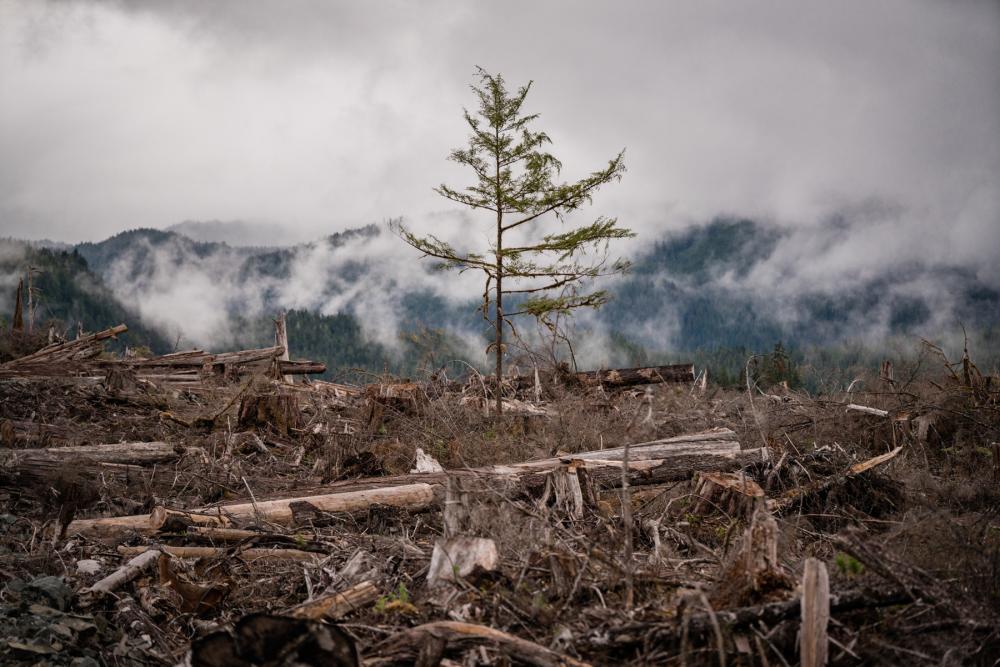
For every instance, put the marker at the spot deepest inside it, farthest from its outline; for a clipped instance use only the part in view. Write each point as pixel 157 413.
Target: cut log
pixel 457 637
pixel 680 458
pixel 867 410
pixel 337 605
pixel 214 552
pixel 815 614
pixel 615 377
pixel 125 573
pixel 130 453
pixel 414 496
pixel 629 377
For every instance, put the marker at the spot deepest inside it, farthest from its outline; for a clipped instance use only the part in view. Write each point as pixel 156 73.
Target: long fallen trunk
pixel 215 552
pixel 614 377
pixel 127 453
pixel 414 496
pixel 629 377
pixel 670 459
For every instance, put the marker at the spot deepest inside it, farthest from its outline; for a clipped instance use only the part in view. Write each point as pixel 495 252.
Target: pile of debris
pixel 209 511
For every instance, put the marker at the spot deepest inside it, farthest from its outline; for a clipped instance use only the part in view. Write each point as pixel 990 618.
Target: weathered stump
pixel 732 493
pixel 279 412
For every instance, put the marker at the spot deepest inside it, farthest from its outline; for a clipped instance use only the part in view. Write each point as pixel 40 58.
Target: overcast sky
pixel 317 116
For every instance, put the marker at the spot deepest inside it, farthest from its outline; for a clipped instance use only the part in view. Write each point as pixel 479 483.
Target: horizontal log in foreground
pixel 665 460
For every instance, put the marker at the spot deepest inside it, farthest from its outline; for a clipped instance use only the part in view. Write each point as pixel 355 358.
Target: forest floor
pixel 658 573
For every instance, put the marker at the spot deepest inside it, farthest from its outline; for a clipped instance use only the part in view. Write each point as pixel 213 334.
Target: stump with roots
pixel 279 412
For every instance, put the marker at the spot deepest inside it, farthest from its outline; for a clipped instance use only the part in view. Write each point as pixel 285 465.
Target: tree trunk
pixel 650 463
pixel 281 340
pixel 337 605
pixel 129 453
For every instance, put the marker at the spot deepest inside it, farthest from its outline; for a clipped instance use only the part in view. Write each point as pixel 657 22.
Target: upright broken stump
pixel 276 411
pixel 813 639
pixel 754 574
pixel 732 493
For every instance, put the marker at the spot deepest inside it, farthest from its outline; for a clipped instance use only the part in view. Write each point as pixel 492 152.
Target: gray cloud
pixel 324 115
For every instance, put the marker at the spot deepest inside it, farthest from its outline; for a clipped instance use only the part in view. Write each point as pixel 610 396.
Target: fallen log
pixel 629 377
pixel 216 552
pixel 125 573
pixel 273 511
pixel 453 637
pixel 301 367
pixel 338 604
pixel 128 453
pixel 680 458
pixel 867 410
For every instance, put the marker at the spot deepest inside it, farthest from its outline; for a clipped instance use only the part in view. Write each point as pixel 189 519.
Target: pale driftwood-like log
pixel 458 556
pixel 129 453
pixel 215 552
pixel 813 642
pixel 867 410
pixel 680 458
pixel 337 605
pixel 454 637
pixel 413 496
pixel 125 573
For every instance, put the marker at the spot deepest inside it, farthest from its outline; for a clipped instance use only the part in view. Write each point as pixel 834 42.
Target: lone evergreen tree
pixel 545 274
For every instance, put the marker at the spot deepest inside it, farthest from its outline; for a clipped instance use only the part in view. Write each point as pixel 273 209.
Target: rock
pixel 459 556
pixel 88 566
pixel 426 463
pixel 50 590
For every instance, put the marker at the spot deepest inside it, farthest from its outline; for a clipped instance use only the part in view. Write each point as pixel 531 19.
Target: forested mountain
pixel 67 293
pixel 703 293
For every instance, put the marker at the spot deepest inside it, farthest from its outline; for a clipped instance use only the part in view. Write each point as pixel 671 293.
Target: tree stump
pixel 754 574
pixel 733 493
pixel 279 412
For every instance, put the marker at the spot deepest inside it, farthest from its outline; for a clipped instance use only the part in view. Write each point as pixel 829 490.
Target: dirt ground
pixel 911 546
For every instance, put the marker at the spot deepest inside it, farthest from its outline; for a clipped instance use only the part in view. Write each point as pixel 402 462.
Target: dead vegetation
pixel 187 508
